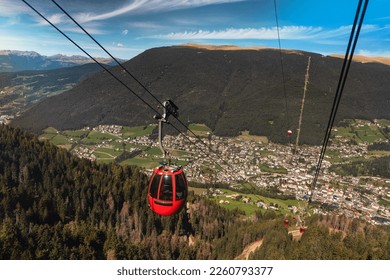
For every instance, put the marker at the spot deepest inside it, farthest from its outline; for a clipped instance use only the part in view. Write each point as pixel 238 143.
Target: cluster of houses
pixel 240 161
pixel 85 152
pixel 227 160
pixel 111 129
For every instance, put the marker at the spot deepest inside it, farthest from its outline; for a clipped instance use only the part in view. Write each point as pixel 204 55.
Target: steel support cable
pixel 91 57
pixel 340 87
pixel 102 66
pixel 106 69
pixel 341 77
pixel 138 81
pixel 359 17
pixel 107 52
pixel 132 91
pixel 123 67
pixel 281 65
pixel 127 87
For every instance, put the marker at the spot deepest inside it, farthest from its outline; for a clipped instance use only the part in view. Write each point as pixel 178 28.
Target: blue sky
pixel 128 27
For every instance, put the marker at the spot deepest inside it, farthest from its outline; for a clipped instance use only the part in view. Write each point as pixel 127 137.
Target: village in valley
pixel 211 159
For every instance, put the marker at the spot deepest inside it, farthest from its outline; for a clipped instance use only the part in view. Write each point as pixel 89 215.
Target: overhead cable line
pixel 209 149
pixel 120 81
pixel 138 81
pixel 281 65
pixel 102 66
pixel 357 25
pixel 91 57
pixel 128 72
pixel 106 51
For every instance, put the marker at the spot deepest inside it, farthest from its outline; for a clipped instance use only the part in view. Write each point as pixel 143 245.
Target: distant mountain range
pixel 227 88
pixel 11 61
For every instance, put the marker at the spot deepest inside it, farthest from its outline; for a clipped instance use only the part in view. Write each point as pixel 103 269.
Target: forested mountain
pixel 56 206
pixel 328 238
pixel 228 90
pixel 377 167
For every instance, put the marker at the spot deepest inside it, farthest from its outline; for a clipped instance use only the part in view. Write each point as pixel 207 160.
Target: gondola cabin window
pixel 166 188
pixel 154 186
pixel 180 186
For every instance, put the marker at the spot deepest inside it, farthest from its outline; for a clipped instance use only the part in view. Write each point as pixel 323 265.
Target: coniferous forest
pixel 56 206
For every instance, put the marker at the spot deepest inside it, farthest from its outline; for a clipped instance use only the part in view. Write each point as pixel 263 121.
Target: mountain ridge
pixel 15 60
pixel 367 59
pixel 228 91
pixel 236 48
pixel 356 58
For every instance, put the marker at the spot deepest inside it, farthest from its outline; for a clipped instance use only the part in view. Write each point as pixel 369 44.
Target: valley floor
pixel 253 159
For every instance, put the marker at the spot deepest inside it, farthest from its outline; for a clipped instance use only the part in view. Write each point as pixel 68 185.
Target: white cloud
pixel 40 43
pixel 94 30
pixel 142 6
pixel 286 33
pixel 55 19
pixel 12 7
pixel 119 45
pixel 143 24
pixel 65 24
pixel 135 5
pixel 376 53
pixel 88 14
pixel 125 32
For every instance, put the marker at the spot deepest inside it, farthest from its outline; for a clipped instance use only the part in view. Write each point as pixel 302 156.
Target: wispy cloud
pixel 92 29
pixel 133 6
pixel 119 45
pixel 376 53
pixel 286 33
pixel 125 32
pixel 11 7
pixel 38 42
pixel 143 6
pixel 144 25
pixel 88 13
pixel 66 24
pixel 194 21
pixel 55 19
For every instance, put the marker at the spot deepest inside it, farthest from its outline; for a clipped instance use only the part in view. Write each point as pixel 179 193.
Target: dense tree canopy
pixel 56 206
pixel 376 167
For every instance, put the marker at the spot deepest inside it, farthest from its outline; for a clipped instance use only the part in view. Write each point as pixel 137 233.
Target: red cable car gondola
pixel 289 132
pixel 167 192
pixel 286 222
pixel 167 189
